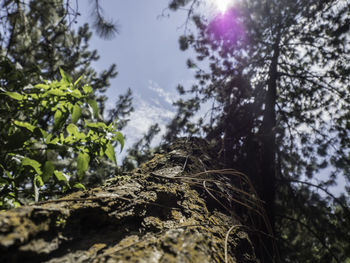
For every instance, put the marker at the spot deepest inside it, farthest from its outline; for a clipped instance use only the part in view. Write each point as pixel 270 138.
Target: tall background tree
pixel 278 83
pixel 40 38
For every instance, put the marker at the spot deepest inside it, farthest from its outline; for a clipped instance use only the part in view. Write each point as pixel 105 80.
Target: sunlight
pixel 227 29
pixel 222 5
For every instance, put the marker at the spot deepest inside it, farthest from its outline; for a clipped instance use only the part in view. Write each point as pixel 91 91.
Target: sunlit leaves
pixel 57 117
pixel 76 93
pixel 14 95
pixel 61 177
pixel 72 129
pixel 38 181
pixel 76 113
pixel 65 77
pixel 82 164
pixel 42 86
pixel 59 153
pixel 33 163
pixel 79 186
pixel 96 125
pixel 87 89
pixel 110 152
pixel 78 80
pixel 56 92
pixel 26 125
pixel 39 45
pixel 94 107
pixel 120 138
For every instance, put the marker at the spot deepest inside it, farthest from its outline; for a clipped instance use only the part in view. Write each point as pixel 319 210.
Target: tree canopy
pixel 278 84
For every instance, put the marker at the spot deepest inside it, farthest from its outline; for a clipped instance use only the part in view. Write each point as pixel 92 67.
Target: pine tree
pixel 278 83
pixel 38 37
pixel 141 151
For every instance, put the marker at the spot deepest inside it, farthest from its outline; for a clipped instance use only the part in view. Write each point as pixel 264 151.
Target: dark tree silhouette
pixel 278 83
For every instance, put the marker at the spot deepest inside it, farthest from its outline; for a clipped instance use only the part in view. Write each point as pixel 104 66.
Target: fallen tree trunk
pixel 150 215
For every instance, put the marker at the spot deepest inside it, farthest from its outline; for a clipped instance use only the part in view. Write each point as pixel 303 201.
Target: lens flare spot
pixel 227 29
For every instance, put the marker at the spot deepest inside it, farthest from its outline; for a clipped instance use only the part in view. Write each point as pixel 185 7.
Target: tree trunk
pixel 267 169
pixel 157 213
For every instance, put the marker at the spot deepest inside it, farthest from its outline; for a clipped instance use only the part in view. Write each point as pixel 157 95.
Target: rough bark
pixel 150 215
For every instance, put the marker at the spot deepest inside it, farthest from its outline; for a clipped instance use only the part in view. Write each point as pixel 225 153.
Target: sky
pixel 148 59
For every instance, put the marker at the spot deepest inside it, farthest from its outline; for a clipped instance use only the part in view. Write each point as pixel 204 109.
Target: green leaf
pixel 57 92
pixel 60 177
pixel 81 136
pixel 16 204
pixel 6 172
pixel 57 117
pixel 94 107
pixel 78 80
pixel 120 139
pixel 69 140
pixel 65 76
pixel 26 125
pixel 101 125
pixel 48 138
pixel 33 96
pixel 87 89
pixel 34 164
pixel 14 95
pixel 76 93
pixel 49 168
pixel 101 152
pixel 72 129
pixel 82 164
pixel 40 132
pixel 42 86
pixel 79 186
pixel 54 141
pixel 110 152
pixel 38 181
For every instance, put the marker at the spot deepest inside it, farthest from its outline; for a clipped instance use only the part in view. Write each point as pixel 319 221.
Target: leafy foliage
pixel 61 151
pixel 37 38
pixel 38 35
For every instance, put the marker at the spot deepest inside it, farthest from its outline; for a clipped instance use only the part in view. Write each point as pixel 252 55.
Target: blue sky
pixel 148 58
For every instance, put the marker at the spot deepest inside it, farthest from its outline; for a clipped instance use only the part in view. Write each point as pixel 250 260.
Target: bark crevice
pixel 149 215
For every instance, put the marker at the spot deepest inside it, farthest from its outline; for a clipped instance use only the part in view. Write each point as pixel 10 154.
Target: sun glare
pixel 222 5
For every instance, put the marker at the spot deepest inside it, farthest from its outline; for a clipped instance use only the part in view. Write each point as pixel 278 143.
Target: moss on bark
pixel 150 215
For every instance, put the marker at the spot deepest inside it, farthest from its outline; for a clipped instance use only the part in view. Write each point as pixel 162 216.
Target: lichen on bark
pixel 152 214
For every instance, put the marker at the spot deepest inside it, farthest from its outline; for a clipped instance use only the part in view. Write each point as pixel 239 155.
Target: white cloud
pixel 155 107
pixel 146 114
pixel 168 97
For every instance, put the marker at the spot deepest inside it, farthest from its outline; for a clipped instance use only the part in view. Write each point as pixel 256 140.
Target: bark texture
pixel 150 215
